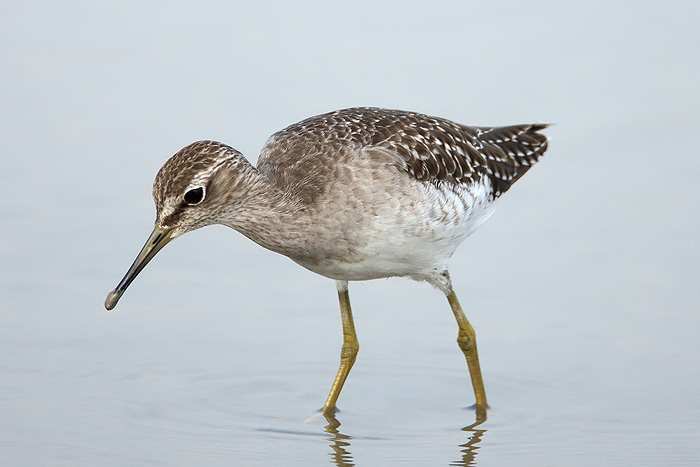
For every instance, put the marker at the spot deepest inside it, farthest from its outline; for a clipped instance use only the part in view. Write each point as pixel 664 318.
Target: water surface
pixel 583 286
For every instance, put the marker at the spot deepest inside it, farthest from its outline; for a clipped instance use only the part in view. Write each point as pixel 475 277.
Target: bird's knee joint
pixel 465 342
pixel 349 350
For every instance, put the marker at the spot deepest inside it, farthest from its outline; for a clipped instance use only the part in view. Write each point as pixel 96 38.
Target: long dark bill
pixel 158 239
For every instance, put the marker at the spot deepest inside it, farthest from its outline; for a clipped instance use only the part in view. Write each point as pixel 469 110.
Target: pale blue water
pixel 583 287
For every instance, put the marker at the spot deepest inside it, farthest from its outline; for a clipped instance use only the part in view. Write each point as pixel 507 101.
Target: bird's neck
pixel 266 214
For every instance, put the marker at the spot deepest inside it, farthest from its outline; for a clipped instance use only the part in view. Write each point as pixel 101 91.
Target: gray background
pixel 583 287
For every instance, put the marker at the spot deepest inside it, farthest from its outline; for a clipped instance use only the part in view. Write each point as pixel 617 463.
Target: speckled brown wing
pixel 429 148
pixel 439 150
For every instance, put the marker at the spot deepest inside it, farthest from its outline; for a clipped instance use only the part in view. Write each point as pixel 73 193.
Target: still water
pixel 583 287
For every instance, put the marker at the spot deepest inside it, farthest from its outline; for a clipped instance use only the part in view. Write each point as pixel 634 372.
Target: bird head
pixel 187 194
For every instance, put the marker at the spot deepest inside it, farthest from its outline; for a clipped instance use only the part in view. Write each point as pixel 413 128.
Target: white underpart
pixel 420 243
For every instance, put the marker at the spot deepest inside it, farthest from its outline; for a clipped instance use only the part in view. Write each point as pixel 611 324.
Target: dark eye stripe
pixel 194 196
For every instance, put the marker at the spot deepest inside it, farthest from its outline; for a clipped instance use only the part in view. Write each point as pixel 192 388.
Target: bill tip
pixel 111 300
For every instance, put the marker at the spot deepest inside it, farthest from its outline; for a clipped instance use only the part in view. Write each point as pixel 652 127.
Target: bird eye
pixel 194 196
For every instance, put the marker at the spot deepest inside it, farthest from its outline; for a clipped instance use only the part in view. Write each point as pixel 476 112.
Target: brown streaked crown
pixel 188 163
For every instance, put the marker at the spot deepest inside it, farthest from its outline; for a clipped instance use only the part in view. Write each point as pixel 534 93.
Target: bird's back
pixel 429 149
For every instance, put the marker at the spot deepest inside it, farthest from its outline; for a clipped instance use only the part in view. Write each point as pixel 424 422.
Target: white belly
pixel 413 234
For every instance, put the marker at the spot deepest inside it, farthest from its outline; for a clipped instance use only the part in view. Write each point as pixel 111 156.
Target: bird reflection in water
pixel 471 447
pixel 339 442
pixel 342 457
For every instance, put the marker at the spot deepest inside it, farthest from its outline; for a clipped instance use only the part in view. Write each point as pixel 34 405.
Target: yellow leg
pixel 466 339
pixel 347 353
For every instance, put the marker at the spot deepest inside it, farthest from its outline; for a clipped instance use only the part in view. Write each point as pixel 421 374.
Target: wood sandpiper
pixel 352 195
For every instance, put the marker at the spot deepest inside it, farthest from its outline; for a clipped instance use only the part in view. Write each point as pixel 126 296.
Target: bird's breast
pixel 407 228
